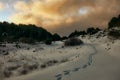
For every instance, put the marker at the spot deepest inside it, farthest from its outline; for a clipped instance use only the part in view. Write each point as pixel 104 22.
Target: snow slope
pixel 97 59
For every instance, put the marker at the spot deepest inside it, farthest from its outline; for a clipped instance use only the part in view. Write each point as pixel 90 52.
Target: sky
pixel 60 16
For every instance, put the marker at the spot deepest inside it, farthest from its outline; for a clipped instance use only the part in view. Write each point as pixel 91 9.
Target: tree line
pixel 10 32
pixel 89 31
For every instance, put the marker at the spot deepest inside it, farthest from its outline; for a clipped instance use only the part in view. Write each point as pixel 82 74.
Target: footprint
pixel 85 66
pixel 90 59
pixel 89 63
pixel 75 69
pixel 67 72
pixel 58 77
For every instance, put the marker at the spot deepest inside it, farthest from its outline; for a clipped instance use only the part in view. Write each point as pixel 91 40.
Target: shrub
pixel 43 66
pixel 73 42
pixel 48 42
pixel 24 71
pixel 114 34
pixel 33 66
pixel 64 60
pixel 51 62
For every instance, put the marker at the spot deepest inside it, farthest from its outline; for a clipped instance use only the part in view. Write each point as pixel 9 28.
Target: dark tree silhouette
pixel 114 27
pixel 114 22
pixel 11 32
pixel 56 37
pixel 92 30
pixel 77 33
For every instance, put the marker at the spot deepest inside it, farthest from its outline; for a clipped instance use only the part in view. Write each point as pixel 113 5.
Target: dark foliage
pixel 89 31
pixel 56 37
pixel 92 30
pixel 48 42
pixel 64 38
pixel 77 33
pixel 114 34
pixel 114 27
pixel 73 42
pixel 11 32
pixel 114 22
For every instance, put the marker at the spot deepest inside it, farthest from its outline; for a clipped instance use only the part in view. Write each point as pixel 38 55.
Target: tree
pixel 74 34
pixel 114 27
pixel 64 37
pixel 114 22
pixel 92 30
pixel 56 37
pixel 12 32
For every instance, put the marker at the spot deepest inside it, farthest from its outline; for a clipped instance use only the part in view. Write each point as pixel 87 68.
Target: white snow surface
pixel 96 59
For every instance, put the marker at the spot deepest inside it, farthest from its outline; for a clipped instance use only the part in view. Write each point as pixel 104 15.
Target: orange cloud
pixel 21 6
pixel 1 6
pixel 56 15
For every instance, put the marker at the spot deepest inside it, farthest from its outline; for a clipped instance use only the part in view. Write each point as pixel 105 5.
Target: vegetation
pixel 77 33
pixel 92 30
pixel 73 42
pixel 114 34
pixel 56 37
pixel 114 22
pixel 64 38
pixel 10 32
pixel 89 31
pixel 114 27
pixel 48 42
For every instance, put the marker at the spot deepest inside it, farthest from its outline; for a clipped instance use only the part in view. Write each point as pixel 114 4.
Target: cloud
pixel 64 16
pixel 21 6
pixel 1 6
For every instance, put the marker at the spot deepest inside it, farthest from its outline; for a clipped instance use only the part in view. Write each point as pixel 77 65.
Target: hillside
pixel 90 55
pixel 10 32
pixel 97 58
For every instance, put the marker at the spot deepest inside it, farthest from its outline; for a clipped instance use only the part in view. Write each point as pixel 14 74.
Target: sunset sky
pixel 61 16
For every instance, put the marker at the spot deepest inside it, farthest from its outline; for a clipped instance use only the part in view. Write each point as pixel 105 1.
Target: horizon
pixel 62 17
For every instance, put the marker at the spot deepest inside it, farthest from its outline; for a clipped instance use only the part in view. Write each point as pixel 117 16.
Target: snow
pixel 97 59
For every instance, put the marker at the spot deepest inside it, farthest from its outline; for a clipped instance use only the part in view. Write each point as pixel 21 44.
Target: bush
pixel 114 34
pixel 24 71
pixel 73 42
pixel 48 42
pixel 43 66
